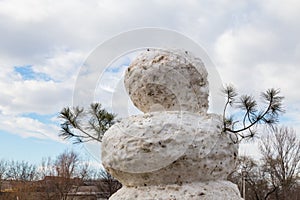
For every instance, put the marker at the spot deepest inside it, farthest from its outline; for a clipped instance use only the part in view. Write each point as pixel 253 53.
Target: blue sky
pixel 27 73
pixel 34 149
pixel 254 45
pixel 15 147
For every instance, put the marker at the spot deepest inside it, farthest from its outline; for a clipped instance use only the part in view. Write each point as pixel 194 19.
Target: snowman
pixel 175 149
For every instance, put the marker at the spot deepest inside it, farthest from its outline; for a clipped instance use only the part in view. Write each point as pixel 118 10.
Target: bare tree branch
pixel 281 157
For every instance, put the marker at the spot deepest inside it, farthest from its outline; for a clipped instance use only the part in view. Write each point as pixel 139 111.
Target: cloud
pixel 29 11
pixel 263 52
pixel 28 127
pixel 254 45
pixel 61 64
pixel 42 88
pixel 27 73
pixel 287 12
pixel 246 45
pixel 34 96
pixel 35 27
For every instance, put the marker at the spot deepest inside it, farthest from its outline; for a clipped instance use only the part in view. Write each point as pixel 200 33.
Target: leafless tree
pixel 62 175
pixel 276 175
pixel 3 169
pixel 66 166
pixel 281 159
pixel 22 171
pixel 251 179
pixel 111 184
pixel 22 176
pixel 47 183
pixel 55 179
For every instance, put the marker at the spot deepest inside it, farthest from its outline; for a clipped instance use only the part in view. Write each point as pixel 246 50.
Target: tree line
pixel 276 175
pixel 53 178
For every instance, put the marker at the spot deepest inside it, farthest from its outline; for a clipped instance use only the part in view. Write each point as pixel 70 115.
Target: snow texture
pixel 175 150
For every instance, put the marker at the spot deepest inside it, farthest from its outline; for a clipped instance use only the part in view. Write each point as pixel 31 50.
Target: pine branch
pixel 252 115
pixel 91 124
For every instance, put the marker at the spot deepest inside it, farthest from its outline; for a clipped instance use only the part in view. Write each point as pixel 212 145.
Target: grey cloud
pixel 253 44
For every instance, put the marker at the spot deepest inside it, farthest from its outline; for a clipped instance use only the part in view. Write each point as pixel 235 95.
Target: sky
pixel 254 45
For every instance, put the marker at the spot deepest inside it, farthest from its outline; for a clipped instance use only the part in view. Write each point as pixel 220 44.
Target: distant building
pixel 51 187
pixel 87 193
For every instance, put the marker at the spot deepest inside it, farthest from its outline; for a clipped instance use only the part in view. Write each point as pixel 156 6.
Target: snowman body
pixel 175 150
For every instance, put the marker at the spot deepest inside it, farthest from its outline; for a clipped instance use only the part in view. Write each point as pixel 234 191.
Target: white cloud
pixel 19 96
pixel 287 11
pixel 34 96
pixel 27 127
pixel 246 45
pixel 261 53
pixel 254 44
pixel 61 64
pixel 25 11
